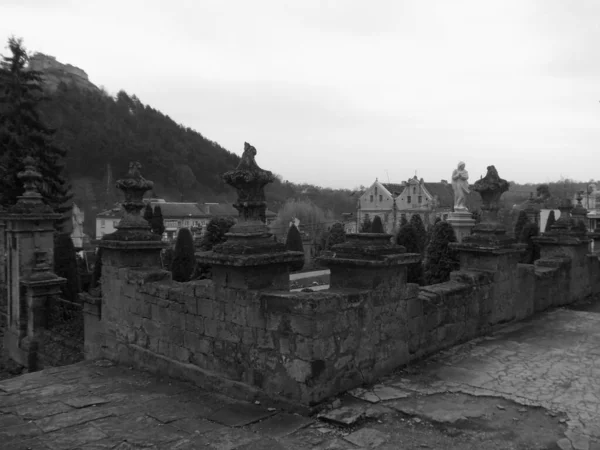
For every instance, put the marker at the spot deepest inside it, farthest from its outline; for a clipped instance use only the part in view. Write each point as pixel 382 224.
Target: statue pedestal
pixel 462 222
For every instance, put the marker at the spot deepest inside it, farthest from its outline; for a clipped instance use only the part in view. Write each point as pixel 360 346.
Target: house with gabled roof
pixel 392 201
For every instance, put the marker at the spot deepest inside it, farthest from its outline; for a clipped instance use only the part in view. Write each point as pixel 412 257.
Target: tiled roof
pixel 394 188
pixel 443 192
pixel 110 213
pixel 174 209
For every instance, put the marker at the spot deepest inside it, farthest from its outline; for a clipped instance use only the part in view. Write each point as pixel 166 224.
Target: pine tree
pixel 293 242
pixel 522 220
pixel 23 133
pixel 337 235
pixel 530 230
pixel 377 226
pixel 408 238
pixel 184 259
pixel 421 233
pixel 216 229
pixel 65 265
pixel 440 258
pixel 158 224
pixel 366 226
pixel 551 220
pixel 148 215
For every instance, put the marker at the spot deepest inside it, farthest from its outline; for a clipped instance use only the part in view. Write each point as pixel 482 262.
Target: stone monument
pixel 461 219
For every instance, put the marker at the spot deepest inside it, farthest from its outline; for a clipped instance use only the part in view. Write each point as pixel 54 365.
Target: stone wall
pixel 303 347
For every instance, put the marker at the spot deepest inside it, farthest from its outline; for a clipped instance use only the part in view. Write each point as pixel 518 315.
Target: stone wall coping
pixel 495 250
pixel 132 245
pixel 399 259
pixel 564 240
pixel 260 259
pixel 44 283
pixel 472 276
pixel 13 217
pixel 553 262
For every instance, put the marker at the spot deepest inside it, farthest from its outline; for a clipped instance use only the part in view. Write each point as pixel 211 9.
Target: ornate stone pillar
pixel 462 222
pixel 250 258
pixel 29 239
pixel 489 248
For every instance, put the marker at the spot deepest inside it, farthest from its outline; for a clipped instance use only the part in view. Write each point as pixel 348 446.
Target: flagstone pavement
pixel 550 362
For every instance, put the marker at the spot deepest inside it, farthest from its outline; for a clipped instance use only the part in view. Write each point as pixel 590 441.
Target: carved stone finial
pixel 491 187
pixel 31 201
pixel 250 180
pixel 133 227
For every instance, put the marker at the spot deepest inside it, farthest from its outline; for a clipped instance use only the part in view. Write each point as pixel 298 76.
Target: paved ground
pixel 533 385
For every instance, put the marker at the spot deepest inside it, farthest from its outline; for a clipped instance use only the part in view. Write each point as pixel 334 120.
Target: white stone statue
pixel 460 187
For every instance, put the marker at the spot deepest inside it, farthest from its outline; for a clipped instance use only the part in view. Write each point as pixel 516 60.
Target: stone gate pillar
pixel 250 258
pixel 29 249
pixel 489 248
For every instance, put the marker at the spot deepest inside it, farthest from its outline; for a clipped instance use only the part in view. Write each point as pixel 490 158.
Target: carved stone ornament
pixel 31 201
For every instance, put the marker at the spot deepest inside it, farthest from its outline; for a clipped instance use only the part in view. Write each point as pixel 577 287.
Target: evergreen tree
pixel 530 230
pixel 97 274
pixel 23 133
pixel 158 224
pixel 420 232
pixel 551 220
pixel 440 258
pixel 522 220
pixel 408 238
pixel 216 229
pixel 403 220
pixel 367 225
pixel 337 235
pixel 148 215
pixel 377 226
pixel 184 259
pixel 293 242
pixel 65 265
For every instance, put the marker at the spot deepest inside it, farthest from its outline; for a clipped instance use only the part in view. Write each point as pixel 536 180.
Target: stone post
pixel 250 258
pixel 462 222
pixel 489 248
pixel 29 240
pixel 133 245
pixel 368 261
pixel 568 237
pixel 532 210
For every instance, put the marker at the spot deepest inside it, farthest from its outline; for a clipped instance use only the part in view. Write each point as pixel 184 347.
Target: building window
pixel 102 224
pixel 375 191
pixel 371 199
pixel 380 197
pixel 414 190
pixel 420 199
pixel 408 199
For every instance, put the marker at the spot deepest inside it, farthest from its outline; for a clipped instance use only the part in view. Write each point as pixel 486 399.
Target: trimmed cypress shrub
pixel 216 229
pixel 366 226
pixel 420 232
pixel 337 235
pixel 440 258
pixel 148 214
pixel 530 230
pixel 408 238
pixel 403 221
pixel 522 220
pixel 158 224
pixel 65 265
pixel 377 226
pixel 551 220
pixel 184 260
pixel 293 242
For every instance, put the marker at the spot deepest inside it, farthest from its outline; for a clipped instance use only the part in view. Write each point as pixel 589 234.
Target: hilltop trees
pixel 440 258
pixel 24 133
pixel 313 220
pixel 184 260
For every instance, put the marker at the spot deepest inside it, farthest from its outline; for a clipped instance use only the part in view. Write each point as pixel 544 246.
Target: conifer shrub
pixel 366 225
pixel 184 260
pixel 293 243
pixel 148 214
pixel 408 238
pixel 440 258
pixel 65 265
pixel 158 223
pixel 532 253
pixel 216 229
pixel 377 226
pixel 337 235
pixel 522 220
pixel 551 221
pixel 403 220
pixel 420 232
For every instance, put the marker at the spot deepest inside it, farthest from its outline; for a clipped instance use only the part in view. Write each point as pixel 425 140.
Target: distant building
pixel 77 234
pixel 176 215
pixel 392 201
pixel 590 200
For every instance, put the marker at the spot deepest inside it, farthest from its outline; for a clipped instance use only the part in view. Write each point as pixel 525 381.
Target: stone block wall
pixel 300 348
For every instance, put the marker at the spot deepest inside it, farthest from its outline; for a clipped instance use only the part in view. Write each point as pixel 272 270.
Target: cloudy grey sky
pixel 339 92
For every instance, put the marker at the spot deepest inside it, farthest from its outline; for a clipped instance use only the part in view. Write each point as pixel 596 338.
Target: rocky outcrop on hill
pixel 55 72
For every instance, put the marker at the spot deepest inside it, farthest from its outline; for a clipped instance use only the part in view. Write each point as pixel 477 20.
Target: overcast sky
pixel 339 92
